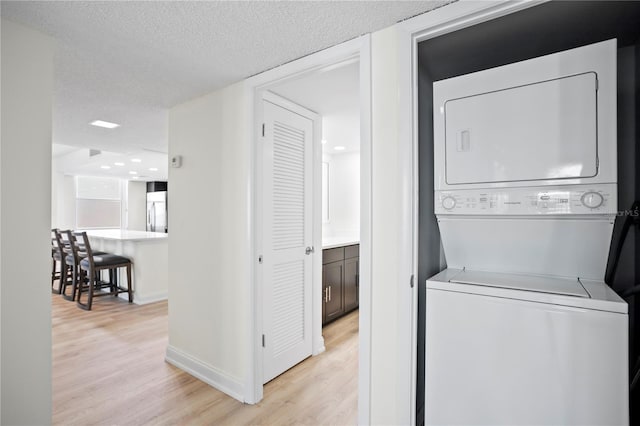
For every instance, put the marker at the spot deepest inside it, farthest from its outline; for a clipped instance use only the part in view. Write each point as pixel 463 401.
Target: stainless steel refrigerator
pixel 157 211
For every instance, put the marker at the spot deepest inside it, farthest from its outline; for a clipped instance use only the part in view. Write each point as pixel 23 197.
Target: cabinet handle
pixel 329 293
pixel 326 294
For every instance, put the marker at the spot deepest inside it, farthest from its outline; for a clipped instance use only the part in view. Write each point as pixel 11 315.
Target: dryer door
pixel 544 130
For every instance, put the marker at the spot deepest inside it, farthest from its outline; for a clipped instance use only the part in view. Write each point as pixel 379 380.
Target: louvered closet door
pixel 287 227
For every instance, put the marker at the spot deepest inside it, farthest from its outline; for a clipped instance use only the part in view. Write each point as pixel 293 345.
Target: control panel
pixel 543 200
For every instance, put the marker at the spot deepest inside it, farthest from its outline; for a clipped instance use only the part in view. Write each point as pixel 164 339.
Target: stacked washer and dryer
pixel 520 327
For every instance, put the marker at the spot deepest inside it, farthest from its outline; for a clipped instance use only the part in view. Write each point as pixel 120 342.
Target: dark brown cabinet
pixel 340 281
pixel 332 285
pixel 351 284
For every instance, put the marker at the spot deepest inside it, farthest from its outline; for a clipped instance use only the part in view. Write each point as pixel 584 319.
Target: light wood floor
pixel 109 368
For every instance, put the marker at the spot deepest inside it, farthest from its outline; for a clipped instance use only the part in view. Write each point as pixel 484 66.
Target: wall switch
pixel 176 161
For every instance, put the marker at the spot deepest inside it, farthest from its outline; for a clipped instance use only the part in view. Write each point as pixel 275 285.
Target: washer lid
pixel 540 246
pixel 571 292
pixel 540 284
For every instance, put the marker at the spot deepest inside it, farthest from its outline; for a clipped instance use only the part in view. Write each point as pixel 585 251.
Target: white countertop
pixel 124 235
pixel 333 242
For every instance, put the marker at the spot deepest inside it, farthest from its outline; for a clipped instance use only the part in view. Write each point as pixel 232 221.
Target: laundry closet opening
pixel 540 30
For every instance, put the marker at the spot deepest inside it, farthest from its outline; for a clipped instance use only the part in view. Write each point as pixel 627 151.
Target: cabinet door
pixel 332 286
pixel 351 283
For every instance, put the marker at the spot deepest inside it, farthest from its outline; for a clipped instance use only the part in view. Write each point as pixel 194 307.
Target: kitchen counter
pixel 124 235
pixel 149 252
pixel 332 242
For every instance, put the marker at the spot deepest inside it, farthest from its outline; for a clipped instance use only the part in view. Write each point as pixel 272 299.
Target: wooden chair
pixel 72 260
pixel 57 258
pixel 90 266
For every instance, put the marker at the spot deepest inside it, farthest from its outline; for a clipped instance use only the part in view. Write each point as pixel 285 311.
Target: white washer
pixel 520 349
pixel 521 328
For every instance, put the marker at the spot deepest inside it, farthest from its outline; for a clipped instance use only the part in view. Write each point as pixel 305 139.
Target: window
pixel 98 202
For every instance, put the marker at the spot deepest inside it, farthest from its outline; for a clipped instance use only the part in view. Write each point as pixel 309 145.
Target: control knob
pixel 448 202
pixel 592 199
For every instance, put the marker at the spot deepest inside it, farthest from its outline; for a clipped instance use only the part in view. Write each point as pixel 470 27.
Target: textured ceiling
pixel 129 61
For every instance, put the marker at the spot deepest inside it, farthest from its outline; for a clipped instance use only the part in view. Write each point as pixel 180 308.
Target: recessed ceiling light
pixel 324 141
pixel 105 167
pixel 136 160
pixel 105 124
pixel 119 164
pixel 133 173
pixel 136 177
pixel 339 148
pixel 153 169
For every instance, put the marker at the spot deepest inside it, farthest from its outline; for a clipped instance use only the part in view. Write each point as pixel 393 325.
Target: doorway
pixel 334 94
pixel 320 87
pixel 324 107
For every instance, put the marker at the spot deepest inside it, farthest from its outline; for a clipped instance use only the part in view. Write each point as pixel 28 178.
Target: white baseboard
pixel 208 374
pixel 318 345
pixel 319 350
pixel 155 297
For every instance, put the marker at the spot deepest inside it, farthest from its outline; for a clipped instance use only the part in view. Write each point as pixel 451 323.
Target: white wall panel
pixel 136 206
pixel 208 211
pixel 344 196
pixel 385 225
pixel 25 223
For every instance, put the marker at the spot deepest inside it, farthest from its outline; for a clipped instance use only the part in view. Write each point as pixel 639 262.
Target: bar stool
pixel 57 257
pixel 72 260
pixel 90 266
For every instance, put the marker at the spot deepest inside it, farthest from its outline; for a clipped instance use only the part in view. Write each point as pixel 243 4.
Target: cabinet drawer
pixel 352 251
pixel 332 255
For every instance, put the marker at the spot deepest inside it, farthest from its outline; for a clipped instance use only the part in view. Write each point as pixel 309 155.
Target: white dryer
pixel 520 327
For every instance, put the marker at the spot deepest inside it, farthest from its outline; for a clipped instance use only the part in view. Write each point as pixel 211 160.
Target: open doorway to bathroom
pixel 333 93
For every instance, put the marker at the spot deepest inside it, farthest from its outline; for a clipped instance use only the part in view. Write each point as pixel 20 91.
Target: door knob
pixel 309 250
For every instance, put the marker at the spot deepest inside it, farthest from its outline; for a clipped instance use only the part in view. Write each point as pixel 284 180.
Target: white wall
pixel 55 191
pixel 209 260
pixel 386 228
pixel 344 196
pixel 209 249
pixel 136 205
pixel 25 221
pixel 63 201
